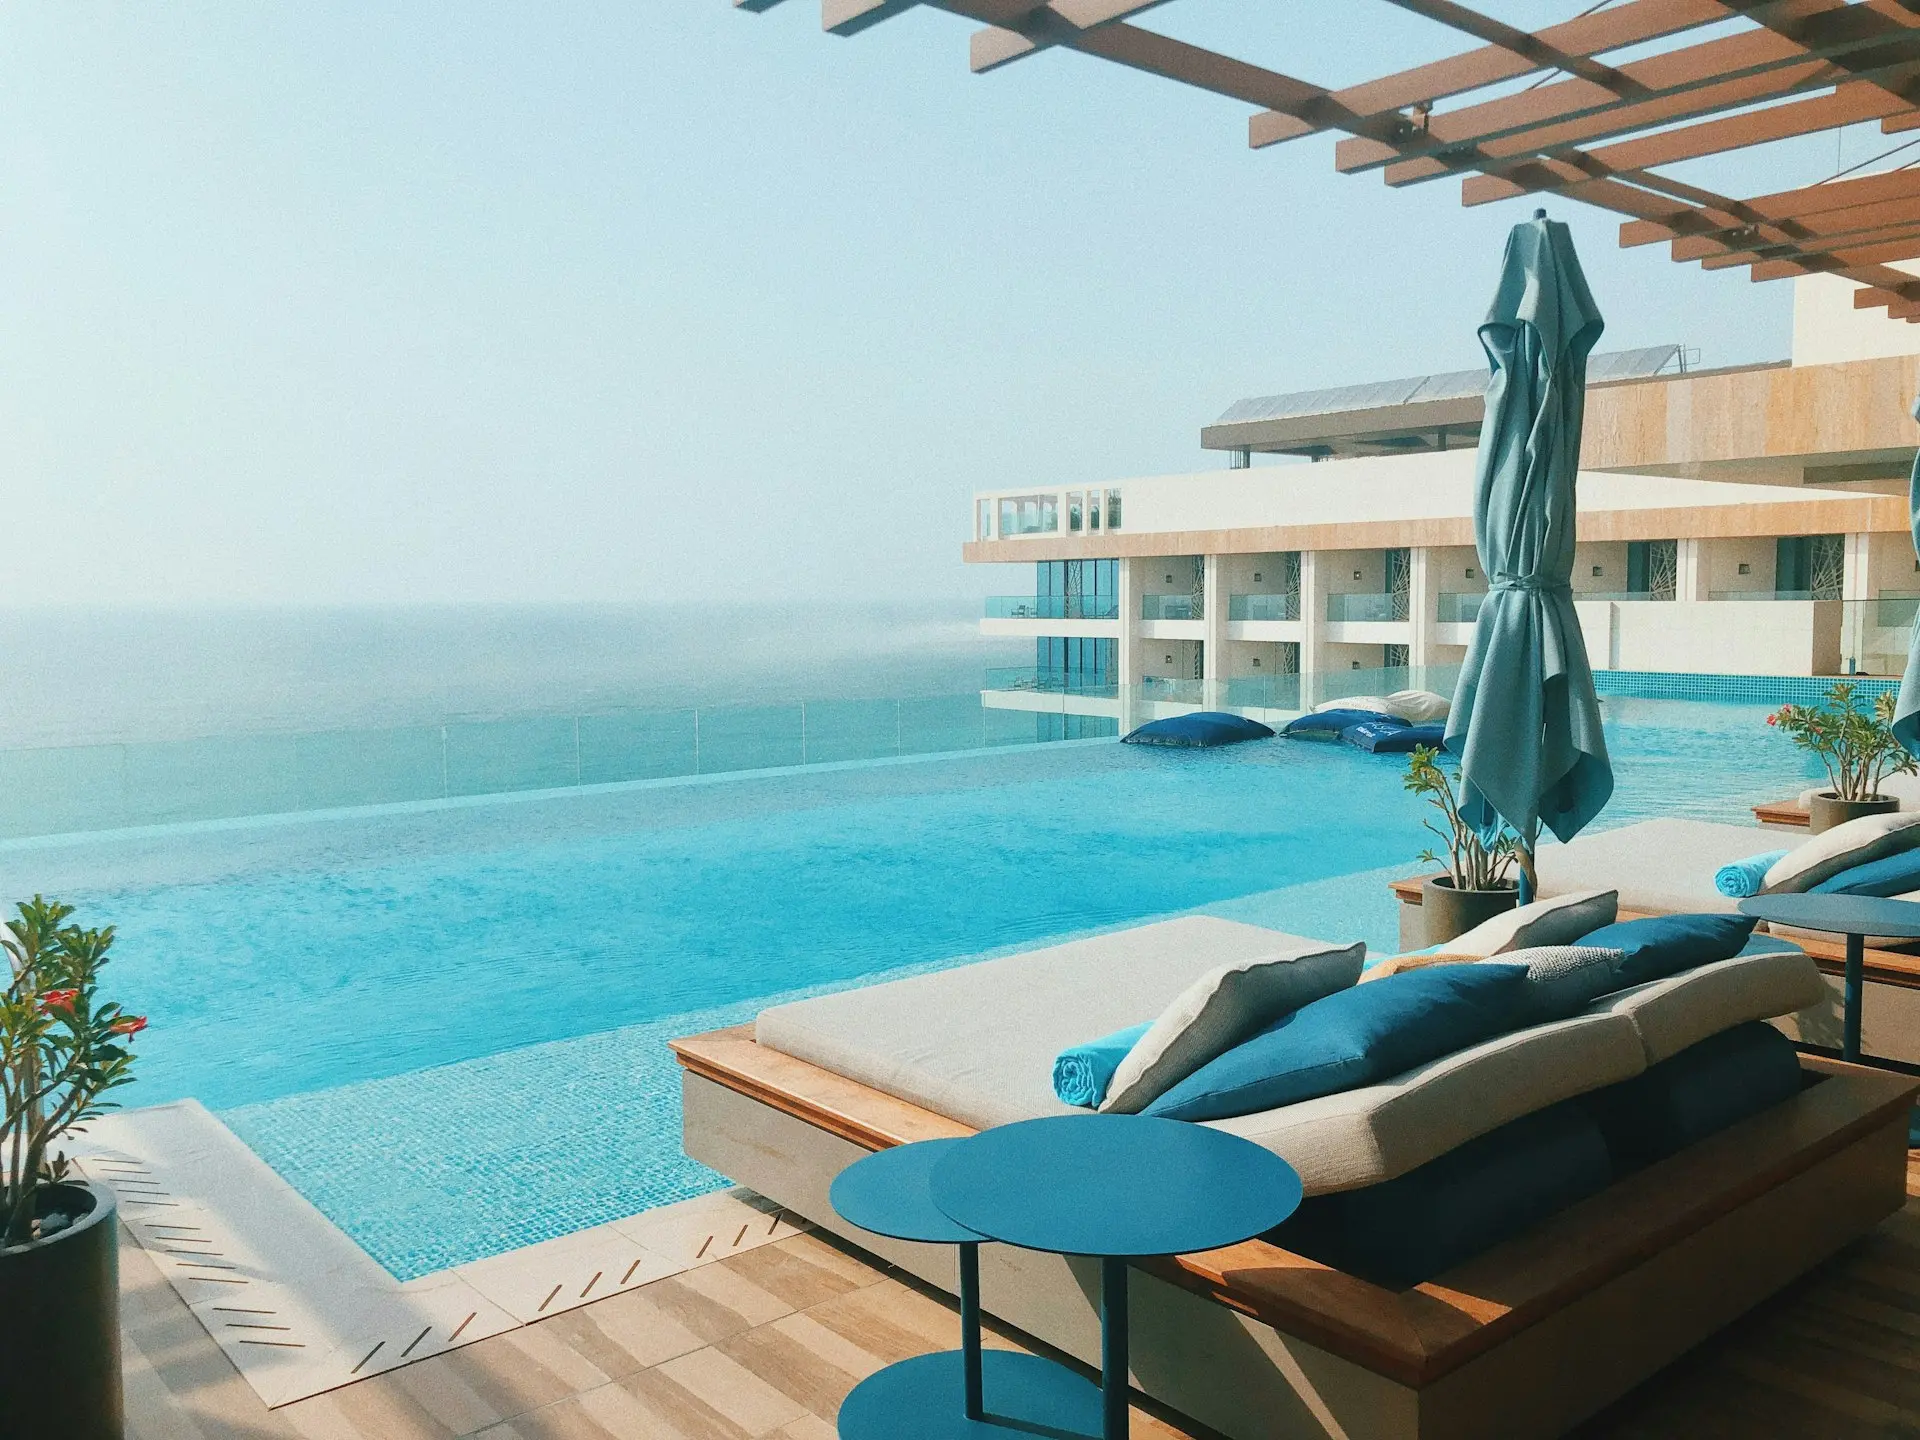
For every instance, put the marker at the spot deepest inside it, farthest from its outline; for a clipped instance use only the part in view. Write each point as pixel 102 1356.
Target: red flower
pixel 1773 719
pixel 128 1025
pixel 59 999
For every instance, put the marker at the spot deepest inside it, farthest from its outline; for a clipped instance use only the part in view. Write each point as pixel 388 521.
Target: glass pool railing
pixel 1263 607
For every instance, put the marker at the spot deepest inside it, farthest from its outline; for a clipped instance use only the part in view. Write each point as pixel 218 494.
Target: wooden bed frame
pixel 1526 1340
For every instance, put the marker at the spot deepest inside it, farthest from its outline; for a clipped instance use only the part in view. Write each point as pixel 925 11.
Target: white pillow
pixel 1871 837
pixel 1560 920
pixel 1228 1004
pixel 1418 707
pixel 1374 704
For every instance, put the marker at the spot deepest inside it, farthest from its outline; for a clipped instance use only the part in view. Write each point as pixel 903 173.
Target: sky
pixel 661 301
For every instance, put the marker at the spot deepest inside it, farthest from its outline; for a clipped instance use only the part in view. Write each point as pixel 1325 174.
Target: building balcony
pixel 1048 682
pixel 1053 607
pixel 1172 607
pixel 1367 608
pixel 1263 607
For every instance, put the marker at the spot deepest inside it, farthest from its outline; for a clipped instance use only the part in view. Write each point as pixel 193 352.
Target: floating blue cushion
pixel 1663 945
pixel 1686 1097
pixel 1395 737
pixel 1354 1037
pixel 1409 1229
pixel 1894 875
pixel 1200 730
pixel 1327 724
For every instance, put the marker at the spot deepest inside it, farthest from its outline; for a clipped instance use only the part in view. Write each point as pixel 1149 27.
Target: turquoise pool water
pixel 445 1024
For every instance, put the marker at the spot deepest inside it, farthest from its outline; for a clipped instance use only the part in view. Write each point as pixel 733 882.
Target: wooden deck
pixel 763 1346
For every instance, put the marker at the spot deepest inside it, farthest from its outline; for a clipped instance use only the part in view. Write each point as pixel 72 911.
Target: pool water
pixel 446 1023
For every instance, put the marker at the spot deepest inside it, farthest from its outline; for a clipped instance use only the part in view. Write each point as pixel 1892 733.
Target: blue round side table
pixel 964 1394
pixel 1854 916
pixel 1116 1187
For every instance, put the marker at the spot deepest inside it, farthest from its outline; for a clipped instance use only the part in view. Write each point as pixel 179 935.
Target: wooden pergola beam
pixel 1044 27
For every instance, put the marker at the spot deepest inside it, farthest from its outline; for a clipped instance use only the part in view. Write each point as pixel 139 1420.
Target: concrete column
pixel 1213 658
pixel 1423 609
pixel 1692 571
pixel 1856 587
pixel 1127 649
pixel 1313 624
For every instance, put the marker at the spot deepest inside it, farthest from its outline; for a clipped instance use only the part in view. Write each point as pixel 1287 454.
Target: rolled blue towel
pixel 1082 1073
pixel 1745 877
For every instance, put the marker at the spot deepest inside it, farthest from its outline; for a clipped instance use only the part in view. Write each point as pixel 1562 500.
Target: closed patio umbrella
pixel 1906 710
pixel 1525 721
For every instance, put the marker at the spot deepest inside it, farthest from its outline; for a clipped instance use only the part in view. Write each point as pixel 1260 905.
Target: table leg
pixel 970 1326
pixel 1856 966
pixel 1113 1349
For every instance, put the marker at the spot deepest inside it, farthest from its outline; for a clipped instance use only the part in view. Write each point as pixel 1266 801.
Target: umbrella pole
pixel 1529 882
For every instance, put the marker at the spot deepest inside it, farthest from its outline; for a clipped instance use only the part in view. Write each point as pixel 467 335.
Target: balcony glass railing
pixel 1767 595
pixel 1052 607
pixel 1172 607
pixel 1263 607
pixel 1460 607
pixel 1174 688
pixel 1052 682
pixel 1363 606
pixel 1875 634
pixel 1620 596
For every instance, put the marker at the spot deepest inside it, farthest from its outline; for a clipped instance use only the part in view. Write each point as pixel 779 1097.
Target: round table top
pixel 887 1193
pixel 1839 914
pixel 1114 1185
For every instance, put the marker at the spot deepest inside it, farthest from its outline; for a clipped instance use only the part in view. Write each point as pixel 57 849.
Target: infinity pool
pixel 445 1023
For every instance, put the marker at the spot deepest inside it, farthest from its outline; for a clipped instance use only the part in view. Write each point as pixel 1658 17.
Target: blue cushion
pixel 1663 945
pixel 1354 1037
pixel 1688 1096
pixel 1894 875
pixel 1395 737
pixel 1411 1228
pixel 1329 723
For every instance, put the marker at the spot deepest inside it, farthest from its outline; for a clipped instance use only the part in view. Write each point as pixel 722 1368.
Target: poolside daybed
pixel 1525 1339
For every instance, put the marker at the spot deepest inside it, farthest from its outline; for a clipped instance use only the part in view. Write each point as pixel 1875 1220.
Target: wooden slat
pixel 1046 26
pixel 1781 812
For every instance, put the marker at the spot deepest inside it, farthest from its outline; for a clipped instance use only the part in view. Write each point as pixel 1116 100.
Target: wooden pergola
pixel 1588 129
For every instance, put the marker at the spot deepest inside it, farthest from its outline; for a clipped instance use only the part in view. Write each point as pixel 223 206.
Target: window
pixel 1113 509
pixel 1093 510
pixel 1029 515
pixel 1074 501
pixel 983 521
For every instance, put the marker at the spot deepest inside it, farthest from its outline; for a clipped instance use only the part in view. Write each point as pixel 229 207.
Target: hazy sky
pixel 659 299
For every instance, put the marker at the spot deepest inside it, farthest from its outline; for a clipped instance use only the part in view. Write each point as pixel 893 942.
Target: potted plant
pixel 61 1050
pixel 1855 742
pixel 1477 884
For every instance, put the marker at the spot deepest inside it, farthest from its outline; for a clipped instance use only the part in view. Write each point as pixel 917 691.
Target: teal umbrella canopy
pixel 1906 710
pixel 1525 720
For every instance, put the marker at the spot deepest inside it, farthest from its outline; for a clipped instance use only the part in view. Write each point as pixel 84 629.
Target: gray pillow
pixel 1563 980
pixel 1858 842
pixel 1225 1006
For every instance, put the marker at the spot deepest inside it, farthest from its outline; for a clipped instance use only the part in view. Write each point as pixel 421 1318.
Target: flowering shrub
pixel 61 1049
pixel 1856 744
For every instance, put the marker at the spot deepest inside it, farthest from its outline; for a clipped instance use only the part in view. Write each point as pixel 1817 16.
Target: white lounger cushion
pixel 1684 1009
pixel 1361 1137
pixel 977 1043
pixel 1227 1005
pixel 1656 865
pixel 1556 920
pixel 1858 842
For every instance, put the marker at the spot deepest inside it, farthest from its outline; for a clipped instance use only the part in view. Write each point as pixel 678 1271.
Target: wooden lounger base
pixel 1526 1340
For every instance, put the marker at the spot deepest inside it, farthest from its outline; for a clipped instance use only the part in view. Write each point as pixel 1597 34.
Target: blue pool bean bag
pixel 1894 875
pixel 1395 737
pixel 1200 730
pixel 1663 945
pixel 1354 1037
pixel 1327 724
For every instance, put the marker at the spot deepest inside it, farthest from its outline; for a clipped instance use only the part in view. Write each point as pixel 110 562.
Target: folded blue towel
pixel 1745 877
pixel 1082 1073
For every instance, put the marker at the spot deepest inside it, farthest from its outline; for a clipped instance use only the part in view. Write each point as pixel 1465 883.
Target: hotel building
pixel 1750 520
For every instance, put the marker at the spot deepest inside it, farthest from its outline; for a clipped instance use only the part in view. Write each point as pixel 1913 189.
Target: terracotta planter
pixel 60 1326
pixel 1449 912
pixel 1826 810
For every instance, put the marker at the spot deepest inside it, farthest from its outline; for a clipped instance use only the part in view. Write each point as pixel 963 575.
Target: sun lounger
pixel 1524 1340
